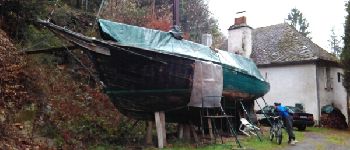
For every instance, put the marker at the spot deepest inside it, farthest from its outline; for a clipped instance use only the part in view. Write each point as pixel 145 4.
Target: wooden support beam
pixel 193 131
pixel 162 118
pixel 187 132
pixel 210 127
pixel 160 126
pixel 180 131
pixel 149 133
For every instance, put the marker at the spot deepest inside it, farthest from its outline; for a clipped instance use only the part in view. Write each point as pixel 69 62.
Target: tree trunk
pixel 78 4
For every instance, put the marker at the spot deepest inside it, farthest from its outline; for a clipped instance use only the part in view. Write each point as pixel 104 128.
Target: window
pixel 339 76
pixel 328 79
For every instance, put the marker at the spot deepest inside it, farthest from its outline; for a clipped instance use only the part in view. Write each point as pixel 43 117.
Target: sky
pixel 322 15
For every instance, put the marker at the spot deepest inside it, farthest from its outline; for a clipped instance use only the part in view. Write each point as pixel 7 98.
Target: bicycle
pixel 276 129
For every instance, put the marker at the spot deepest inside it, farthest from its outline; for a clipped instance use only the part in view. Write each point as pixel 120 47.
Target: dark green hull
pixel 243 86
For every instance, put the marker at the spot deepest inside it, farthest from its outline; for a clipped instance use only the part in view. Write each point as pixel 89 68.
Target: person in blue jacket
pixel 287 120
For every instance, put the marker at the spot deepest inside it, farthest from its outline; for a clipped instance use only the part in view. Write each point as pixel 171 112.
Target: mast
pixel 176 31
pixel 176 18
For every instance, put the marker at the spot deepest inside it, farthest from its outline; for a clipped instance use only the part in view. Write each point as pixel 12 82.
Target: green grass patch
pixel 317 129
pixel 320 147
pixel 247 142
pixel 266 144
pixel 336 139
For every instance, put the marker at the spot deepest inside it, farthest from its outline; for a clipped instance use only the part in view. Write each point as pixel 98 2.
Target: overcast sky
pixel 321 14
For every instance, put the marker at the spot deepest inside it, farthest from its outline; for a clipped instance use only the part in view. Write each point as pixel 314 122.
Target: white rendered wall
pixel 340 95
pixel 292 84
pixel 337 94
pixel 240 41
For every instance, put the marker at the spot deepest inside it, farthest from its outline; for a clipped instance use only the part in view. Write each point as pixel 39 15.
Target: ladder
pixel 221 114
pixel 246 112
pixel 262 110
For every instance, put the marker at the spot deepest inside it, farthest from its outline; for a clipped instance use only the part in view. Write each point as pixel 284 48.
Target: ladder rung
pixel 223 116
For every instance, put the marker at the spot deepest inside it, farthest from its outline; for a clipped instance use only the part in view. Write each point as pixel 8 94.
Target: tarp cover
pixel 164 42
pixel 207 85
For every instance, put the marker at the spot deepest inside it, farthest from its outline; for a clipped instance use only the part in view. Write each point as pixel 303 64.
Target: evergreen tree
pixel 297 20
pixel 334 43
pixel 345 55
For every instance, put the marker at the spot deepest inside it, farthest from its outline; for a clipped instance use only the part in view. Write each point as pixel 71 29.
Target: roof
pixel 163 42
pixel 283 44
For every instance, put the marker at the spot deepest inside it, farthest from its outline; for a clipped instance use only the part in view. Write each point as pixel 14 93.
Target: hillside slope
pixel 46 105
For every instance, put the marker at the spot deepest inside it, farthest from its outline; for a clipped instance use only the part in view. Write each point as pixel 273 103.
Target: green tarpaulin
pixel 164 42
pixel 327 109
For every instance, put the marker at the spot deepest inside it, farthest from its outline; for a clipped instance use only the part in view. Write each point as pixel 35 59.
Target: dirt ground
pixel 324 139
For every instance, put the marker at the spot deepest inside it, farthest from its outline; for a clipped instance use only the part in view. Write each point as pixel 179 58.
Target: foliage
pixel 66 106
pixel 73 113
pixel 16 93
pixel 129 12
pixel 195 17
pixel 86 5
pixel 334 42
pixel 158 24
pixel 345 55
pixel 17 15
pixel 296 19
pixel 38 39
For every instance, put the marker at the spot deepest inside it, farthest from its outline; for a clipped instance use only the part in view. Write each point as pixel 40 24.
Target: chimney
pixel 241 21
pixel 207 39
pixel 240 37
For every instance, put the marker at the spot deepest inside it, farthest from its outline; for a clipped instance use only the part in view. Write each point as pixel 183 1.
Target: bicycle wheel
pixel 279 136
pixel 272 133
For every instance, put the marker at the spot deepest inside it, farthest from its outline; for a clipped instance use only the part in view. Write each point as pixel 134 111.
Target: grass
pixel 318 129
pixel 266 144
pixel 320 147
pixel 331 136
pixel 338 137
pixel 247 142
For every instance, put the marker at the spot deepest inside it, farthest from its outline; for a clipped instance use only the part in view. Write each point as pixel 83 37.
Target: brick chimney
pixel 240 37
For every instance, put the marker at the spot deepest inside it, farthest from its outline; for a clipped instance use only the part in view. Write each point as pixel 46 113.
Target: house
pixel 298 70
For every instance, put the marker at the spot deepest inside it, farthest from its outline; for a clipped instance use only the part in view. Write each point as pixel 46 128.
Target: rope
pixel 53 10
pixel 41 40
pixel 98 13
pixel 99 10
pixel 85 67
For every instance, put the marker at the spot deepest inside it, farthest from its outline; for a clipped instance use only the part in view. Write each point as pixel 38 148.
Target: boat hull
pixel 242 86
pixel 146 82
pixel 139 86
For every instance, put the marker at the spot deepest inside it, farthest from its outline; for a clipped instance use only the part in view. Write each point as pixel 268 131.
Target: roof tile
pixel 282 43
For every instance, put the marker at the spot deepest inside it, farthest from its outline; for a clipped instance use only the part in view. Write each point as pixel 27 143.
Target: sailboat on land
pixel 146 70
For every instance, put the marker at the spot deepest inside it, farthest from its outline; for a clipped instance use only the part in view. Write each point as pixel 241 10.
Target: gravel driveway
pixel 338 140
